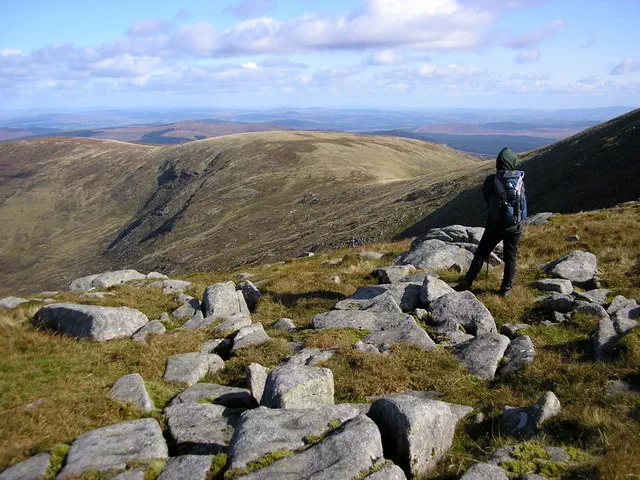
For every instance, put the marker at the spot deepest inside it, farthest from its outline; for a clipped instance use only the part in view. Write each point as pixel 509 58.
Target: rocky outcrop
pixel 222 300
pixel 88 321
pixel 436 255
pixel 482 354
pixel 455 309
pixel 253 334
pixel 106 280
pixel 298 386
pixel 579 267
pixel 190 368
pixel 233 397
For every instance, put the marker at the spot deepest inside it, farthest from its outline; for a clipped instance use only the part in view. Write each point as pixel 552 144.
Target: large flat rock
pixel 407 331
pixel 298 386
pixel 115 446
pixel 191 467
pixel 461 308
pixel 344 454
pixel 253 334
pixel 579 267
pixel 416 433
pixel 201 428
pixel 265 430
pixel 436 255
pixel 192 367
pixel 88 321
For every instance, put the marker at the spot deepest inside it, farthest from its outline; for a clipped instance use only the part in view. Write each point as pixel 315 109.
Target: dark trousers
pixel 488 242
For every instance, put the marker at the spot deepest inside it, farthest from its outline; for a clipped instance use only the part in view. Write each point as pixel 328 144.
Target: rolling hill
pixel 71 206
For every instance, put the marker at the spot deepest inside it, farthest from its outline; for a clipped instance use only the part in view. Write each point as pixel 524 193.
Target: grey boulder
pixel 359 319
pixel 393 274
pixel 298 386
pixel 416 433
pixel 432 289
pixel 33 468
pixel 174 286
pixel 253 334
pixel 484 471
pixel 190 368
pixel 461 308
pixel 405 331
pixel 221 300
pixel 436 255
pixel 539 218
pixel 88 321
pixel 9 303
pixel 578 266
pixel 285 324
pixel 598 296
pixel 188 309
pixel 153 327
pixel 558 285
pixel 518 355
pixel 310 357
pixel 115 446
pixel 131 388
pixel 233 397
pixel 232 323
pixel 482 354
pixel 256 381
pixel 201 428
pixel 251 294
pixel 265 430
pixel 344 454
pixel 388 472
pixel 192 467
pixel 511 330
pixel 527 420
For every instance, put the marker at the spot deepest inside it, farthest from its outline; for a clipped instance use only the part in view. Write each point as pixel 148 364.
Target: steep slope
pixel 596 168
pixel 75 205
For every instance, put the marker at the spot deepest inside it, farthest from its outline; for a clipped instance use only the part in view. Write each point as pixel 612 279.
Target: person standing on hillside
pixel 505 196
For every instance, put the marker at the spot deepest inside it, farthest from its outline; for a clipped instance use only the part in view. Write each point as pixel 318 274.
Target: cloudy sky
pixel 335 53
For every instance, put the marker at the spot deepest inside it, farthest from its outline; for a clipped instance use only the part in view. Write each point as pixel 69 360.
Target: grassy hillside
pixel 596 168
pixel 72 206
pixel 69 380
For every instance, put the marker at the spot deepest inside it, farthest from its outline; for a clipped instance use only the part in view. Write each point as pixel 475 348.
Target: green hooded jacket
pixel 506 160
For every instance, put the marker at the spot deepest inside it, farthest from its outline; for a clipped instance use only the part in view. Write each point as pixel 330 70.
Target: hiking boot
pixel 462 286
pixel 504 291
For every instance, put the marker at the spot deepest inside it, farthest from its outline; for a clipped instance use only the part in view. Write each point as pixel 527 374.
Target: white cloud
pixel 528 56
pixel 628 65
pixel 11 52
pixel 199 38
pixel 125 66
pixel 534 37
pixel 448 71
pixel 385 57
pixel 250 65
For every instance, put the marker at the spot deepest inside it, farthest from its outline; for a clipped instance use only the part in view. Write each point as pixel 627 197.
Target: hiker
pixel 505 197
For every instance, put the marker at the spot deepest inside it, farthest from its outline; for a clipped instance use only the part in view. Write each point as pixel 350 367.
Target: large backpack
pixel 508 205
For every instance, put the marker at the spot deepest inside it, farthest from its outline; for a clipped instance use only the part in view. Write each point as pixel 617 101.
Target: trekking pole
pixel 486 278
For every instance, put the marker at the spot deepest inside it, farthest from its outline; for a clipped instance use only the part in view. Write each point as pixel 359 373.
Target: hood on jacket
pixel 506 159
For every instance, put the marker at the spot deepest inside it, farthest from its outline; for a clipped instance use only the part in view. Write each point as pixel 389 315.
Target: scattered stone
pixel 264 430
pixel 110 279
pixel 610 332
pixel 233 397
pixel 95 295
pixel 298 386
pixel 285 324
pixel 153 327
pixel 435 255
pixel 558 285
pixel 406 295
pixel 619 303
pixel 250 293
pixel 198 321
pixel 174 286
pixel 335 279
pixel 416 433
pixel 557 317
pixel 393 274
pixel 502 455
pixel 190 368
pixel 461 308
pixel 432 289
pixel 333 261
pixel 557 454
pixel 532 476
pixel 421 314
pixel 115 446
pixel 578 266
pixel 193 467
pixel 518 355
pixel 482 354
pixel 484 471
pixel 306 255
pixel 572 238
pixel 310 357
pixel 188 308
pixel 419 277
pixel 405 331
pixel 131 388
pixel 164 317
pixel 254 334
pixel 232 323
pixel 49 300
pixel 245 276
pixel 88 321
pixel 511 330
pixel 388 472
pixel 82 284
pixel 527 420
pixel 256 381
pixel 353 448
pixel 366 347
pixel 539 219
pixel 620 387
pixel 10 303
pixel 201 428
pixel 598 296
pixel 453 338
pixel 589 308
pixel 221 300
pixel 371 255
pixel 33 468
pixel 360 319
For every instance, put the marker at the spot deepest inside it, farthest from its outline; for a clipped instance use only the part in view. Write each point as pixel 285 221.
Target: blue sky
pixel 366 53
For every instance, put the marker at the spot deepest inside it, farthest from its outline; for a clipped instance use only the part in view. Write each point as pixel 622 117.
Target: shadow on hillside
pixel 467 208
pixel 289 299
